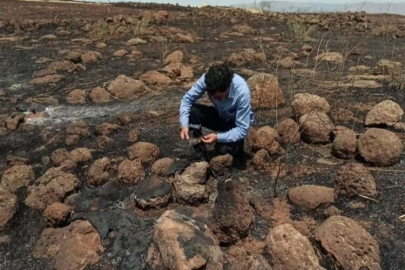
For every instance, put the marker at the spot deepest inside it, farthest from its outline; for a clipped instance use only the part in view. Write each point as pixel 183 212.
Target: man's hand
pixel 210 138
pixel 184 133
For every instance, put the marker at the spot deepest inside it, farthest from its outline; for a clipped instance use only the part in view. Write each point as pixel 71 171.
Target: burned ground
pixel 361 39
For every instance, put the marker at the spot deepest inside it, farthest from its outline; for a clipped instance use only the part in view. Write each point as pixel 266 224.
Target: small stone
pixel 345 143
pixel 288 132
pixel 145 152
pixel 161 166
pixel 332 211
pixel 80 155
pixel 133 136
pixel 99 172
pixel 17 176
pixel 316 127
pixel 384 113
pixel 305 103
pixel 77 96
pixel 8 207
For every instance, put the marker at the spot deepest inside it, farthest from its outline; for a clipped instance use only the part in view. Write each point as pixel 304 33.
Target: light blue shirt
pixel 236 107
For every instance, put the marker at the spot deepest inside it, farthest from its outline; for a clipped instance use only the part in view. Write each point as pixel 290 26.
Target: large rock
pixel 76 96
pixel 53 186
pixel 161 166
pixel 305 103
pixel 354 179
pixel 8 207
pixel 266 138
pixel 59 155
pixel 238 258
pixel 124 88
pixel 291 250
pixel 380 147
pixel 57 214
pixel 332 57
pixel 174 57
pixel 221 164
pixel 386 112
pixel 311 196
pixel 232 211
pixel 131 171
pixel 345 142
pixel 190 185
pixel 155 78
pixel 154 192
pixel 76 246
pixel 288 132
pixel 351 246
pixel 99 172
pixel 182 242
pixel 266 92
pixel 146 152
pixel 17 176
pixel 388 67
pixel 90 56
pixel 316 127
pixel 81 155
pixel 100 95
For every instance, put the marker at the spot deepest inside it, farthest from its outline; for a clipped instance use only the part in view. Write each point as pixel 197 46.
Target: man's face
pixel 221 95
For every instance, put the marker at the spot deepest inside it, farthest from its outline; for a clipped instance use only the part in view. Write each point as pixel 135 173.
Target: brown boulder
pixel 261 158
pixel 351 246
pixel 47 79
pixel 8 207
pixel 59 155
pixel 287 63
pixel 90 56
pixel 17 176
pixel 388 67
pixel 124 88
pixel 79 128
pixel 106 128
pixel 354 179
pixel 100 95
pixel 386 112
pixel 232 211
pixel 74 57
pixel 53 186
pixel 311 196
pixel 266 138
pixel 332 57
pixel 221 164
pixel 76 246
pixel 180 241
pixel 136 41
pixel 290 249
pixel 161 166
pixel 174 57
pixel 80 155
pixel 345 142
pixel 306 103
pixel 155 78
pixel 380 147
pixel 77 96
pixel 145 152
pixel 57 214
pixel 190 185
pixel 120 53
pixel 133 136
pixel 288 132
pixel 131 171
pixel 14 121
pixel 153 192
pixel 266 92
pixel 316 127
pixel 99 172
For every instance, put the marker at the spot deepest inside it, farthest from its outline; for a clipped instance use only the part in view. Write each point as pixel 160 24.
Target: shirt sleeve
pixel 189 99
pixel 242 121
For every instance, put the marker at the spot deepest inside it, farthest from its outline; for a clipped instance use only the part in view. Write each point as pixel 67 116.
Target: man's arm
pixel 189 99
pixel 242 122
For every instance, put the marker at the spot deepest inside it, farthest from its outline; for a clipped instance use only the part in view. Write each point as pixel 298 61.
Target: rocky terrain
pixel 94 174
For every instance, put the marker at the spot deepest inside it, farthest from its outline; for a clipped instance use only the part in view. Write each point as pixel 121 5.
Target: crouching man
pixel 230 116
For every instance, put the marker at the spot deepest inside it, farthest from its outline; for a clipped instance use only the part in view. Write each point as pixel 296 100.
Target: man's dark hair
pixel 218 78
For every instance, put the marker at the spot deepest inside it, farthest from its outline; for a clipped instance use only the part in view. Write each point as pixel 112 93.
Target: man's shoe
pixel 239 162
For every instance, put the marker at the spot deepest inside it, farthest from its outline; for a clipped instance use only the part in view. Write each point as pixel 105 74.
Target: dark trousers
pixel 208 117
